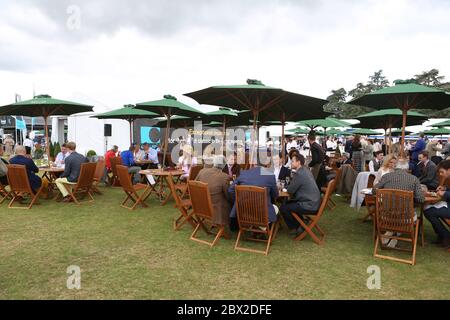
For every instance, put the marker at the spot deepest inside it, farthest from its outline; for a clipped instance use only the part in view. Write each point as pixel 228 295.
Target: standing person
pixel 418 147
pixel 218 183
pixel 432 148
pixel 367 151
pixel 357 154
pixel 304 193
pixel 376 163
pixel 435 215
pixel 9 145
pixel 331 144
pixel 71 172
pixel 292 144
pixel 128 161
pixel 377 146
pixel 186 161
pixel 446 149
pixel 317 155
pixel 112 153
pixel 22 159
pixel 348 146
pixel 28 144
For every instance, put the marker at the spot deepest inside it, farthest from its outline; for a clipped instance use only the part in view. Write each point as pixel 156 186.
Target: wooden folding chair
pixel 203 212
pixel 98 175
pixel 115 161
pixel 3 192
pixel 19 186
pixel 395 214
pixel 84 183
pixel 253 216
pixel 314 219
pixel 182 188
pixel 132 191
pixel 369 201
pixel 331 204
pixel 183 205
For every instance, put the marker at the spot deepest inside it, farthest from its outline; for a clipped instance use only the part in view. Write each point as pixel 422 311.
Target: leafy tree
pixel 377 81
pixel 430 78
pixel 360 90
pixel 336 101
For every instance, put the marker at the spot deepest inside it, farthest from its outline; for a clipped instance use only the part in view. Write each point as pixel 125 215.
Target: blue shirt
pixel 127 158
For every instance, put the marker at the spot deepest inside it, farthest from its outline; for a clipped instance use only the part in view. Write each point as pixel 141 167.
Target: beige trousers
pixel 61 183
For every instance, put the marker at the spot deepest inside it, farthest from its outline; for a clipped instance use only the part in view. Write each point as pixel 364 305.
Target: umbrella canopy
pixel 299 131
pixel 129 113
pixel 178 121
pixel 324 123
pixel 44 106
pixel 437 132
pixel 405 95
pixel 365 132
pixel 398 132
pixel 168 107
pixel 336 132
pixel 264 102
pixel 389 118
pixel 442 124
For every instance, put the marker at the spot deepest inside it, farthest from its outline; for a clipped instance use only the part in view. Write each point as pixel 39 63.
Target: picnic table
pixel 51 174
pixel 161 182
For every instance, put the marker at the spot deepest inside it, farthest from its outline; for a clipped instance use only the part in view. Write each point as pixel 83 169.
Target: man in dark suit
pixel 419 146
pixel 232 168
pixel 305 195
pixel 260 177
pixel 22 159
pixel 71 170
pixel 428 171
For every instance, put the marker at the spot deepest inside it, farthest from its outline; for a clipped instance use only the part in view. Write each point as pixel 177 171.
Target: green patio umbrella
pixel 223 115
pixel 445 123
pixel 178 121
pixel 405 95
pixel 264 102
pixel 168 107
pixel 44 106
pixel 399 132
pixel 437 132
pixel 129 113
pixel 299 131
pixel 365 132
pixel 337 132
pixel 386 119
pixel 324 123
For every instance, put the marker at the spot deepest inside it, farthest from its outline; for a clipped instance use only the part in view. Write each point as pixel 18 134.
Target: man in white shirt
pixel 292 144
pixel 61 157
pixel 331 144
pixel 28 144
pixel 377 146
pixel 376 163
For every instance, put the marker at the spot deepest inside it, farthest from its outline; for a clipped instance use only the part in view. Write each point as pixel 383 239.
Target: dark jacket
pixel 303 190
pixel 235 170
pixel 317 154
pixel 260 177
pixel 418 147
pixel 32 169
pixel 428 175
pixel 73 166
pixel 284 173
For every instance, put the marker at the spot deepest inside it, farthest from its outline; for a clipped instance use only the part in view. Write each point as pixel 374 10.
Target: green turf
pixel 137 255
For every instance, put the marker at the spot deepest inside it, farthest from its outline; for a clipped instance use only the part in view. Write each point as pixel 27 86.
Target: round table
pixel 51 174
pixel 162 177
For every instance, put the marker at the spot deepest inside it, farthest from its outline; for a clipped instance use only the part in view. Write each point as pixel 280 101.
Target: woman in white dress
pixel 186 161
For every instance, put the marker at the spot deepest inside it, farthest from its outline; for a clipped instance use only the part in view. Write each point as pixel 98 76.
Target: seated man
pixel 38 151
pixel 71 172
pixel 128 161
pixel 22 159
pixel 3 168
pixel 149 154
pixel 232 168
pixel 260 177
pixel 428 171
pixel 110 154
pixel 218 183
pixel 61 157
pixel 376 163
pixel 434 215
pixel 400 179
pixel 304 193
pixel 345 159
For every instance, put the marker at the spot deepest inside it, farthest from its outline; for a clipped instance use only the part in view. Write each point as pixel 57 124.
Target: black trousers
pixel 435 215
pixel 286 210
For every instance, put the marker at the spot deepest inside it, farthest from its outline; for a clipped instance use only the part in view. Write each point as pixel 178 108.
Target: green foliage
pixel 52 149
pixel 91 153
pixel 57 149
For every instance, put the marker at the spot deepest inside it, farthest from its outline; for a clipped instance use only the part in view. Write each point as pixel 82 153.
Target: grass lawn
pixel 137 255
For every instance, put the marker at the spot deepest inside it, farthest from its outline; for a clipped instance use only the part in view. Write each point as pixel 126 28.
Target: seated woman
pixel 281 172
pixel 388 166
pixel 186 161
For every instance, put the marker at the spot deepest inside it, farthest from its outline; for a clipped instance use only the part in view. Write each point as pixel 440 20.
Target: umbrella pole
pixel 47 144
pixel 224 128
pixel 283 154
pixel 166 139
pixel 131 131
pixel 390 139
pixel 402 150
pixel 254 136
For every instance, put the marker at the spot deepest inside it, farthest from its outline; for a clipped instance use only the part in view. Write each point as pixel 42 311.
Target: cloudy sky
pixel 114 52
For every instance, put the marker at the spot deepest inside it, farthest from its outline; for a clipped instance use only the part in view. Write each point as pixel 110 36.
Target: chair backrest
pixel 193 173
pixel 251 206
pixel 115 161
pixel 330 189
pixel 99 170
pixel 337 178
pixel 125 178
pixel 18 178
pixel 395 210
pixel 86 177
pixel 201 199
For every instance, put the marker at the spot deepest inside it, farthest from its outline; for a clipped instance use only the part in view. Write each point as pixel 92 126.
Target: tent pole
pixel 47 144
pixel 166 139
pixel 402 150
pixel 283 120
